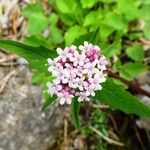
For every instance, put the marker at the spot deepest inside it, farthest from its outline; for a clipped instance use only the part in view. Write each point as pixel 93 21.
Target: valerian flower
pixel 77 72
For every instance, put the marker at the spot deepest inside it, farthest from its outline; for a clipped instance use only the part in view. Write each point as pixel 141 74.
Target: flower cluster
pixel 77 72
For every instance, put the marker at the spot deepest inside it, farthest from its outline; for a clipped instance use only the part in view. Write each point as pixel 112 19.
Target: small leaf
pixel 48 100
pixel 117 98
pixel 75 107
pixel 135 52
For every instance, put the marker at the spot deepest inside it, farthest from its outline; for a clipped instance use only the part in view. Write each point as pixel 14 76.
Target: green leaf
pixel 93 18
pixel 136 52
pixel 110 50
pixel 115 21
pixel 88 3
pixel 105 31
pixel 56 35
pixel 67 19
pixel 48 100
pixel 37 23
pixel 126 6
pixel 53 19
pixel 75 107
pixel 36 40
pixel 66 7
pixel 117 98
pixel 32 9
pixel 130 70
pixel 92 37
pixel 36 56
pixel 73 33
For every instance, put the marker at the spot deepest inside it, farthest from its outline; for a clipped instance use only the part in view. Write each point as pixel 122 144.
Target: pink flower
pixel 77 73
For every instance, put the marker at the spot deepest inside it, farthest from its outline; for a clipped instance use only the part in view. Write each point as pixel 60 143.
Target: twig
pixel 139 137
pixel 108 140
pixel 4 81
pixel 7 58
pixel 144 41
pixel 65 130
pixel 132 86
pixel 101 106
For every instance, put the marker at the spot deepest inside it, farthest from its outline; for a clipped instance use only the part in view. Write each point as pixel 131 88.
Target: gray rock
pixel 22 125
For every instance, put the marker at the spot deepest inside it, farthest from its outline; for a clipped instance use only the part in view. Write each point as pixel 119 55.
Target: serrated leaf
pixel 36 56
pixel 117 98
pixel 136 52
pixel 75 107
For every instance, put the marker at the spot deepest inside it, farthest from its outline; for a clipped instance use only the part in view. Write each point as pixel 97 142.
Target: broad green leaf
pixel 130 70
pixel 66 6
pixel 73 33
pixel 36 40
pixel 117 98
pixel 36 56
pixel 88 3
pixel 75 107
pixel 136 52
